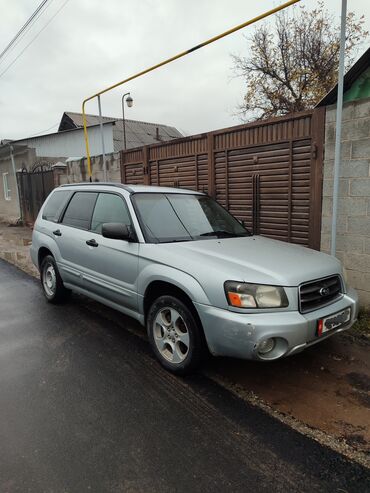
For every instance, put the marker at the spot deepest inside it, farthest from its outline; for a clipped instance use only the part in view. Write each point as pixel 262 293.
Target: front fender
pixel 159 272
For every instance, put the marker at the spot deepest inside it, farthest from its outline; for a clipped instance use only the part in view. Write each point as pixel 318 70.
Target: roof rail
pixel 104 183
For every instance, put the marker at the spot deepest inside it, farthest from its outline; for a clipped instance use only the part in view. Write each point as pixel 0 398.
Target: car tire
pixel 175 335
pixel 51 282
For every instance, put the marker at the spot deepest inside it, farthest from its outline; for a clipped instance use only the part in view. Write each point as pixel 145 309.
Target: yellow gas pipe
pixel 169 60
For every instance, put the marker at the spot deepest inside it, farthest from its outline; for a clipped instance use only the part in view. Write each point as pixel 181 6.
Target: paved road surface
pixel 85 407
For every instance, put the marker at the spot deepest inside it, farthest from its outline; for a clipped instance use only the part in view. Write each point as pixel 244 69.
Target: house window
pixel 6 186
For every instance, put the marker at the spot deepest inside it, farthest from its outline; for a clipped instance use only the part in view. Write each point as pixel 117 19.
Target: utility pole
pixel 11 149
pixel 102 140
pixel 338 129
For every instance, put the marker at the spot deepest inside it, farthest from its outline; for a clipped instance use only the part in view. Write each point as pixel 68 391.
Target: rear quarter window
pixel 55 204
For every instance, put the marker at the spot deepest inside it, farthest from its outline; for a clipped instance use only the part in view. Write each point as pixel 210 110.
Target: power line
pixel 42 131
pixel 33 39
pixel 7 51
pixel 39 8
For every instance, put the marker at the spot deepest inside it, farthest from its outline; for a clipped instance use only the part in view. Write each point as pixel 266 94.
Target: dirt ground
pixel 327 387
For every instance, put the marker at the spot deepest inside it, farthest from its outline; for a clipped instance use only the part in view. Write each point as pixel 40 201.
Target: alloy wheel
pixel 171 335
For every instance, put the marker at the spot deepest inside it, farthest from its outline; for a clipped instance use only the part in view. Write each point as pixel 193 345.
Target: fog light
pixel 266 346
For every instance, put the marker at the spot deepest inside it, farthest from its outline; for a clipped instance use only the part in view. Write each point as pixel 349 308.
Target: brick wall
pixel 353 226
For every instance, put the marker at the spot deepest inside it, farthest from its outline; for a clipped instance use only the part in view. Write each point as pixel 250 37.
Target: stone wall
pixel 353 226
pixel 9 209
pixel 73 171
pixel 76 171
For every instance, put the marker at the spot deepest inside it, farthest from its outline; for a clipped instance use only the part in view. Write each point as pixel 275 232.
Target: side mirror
pixel 117 231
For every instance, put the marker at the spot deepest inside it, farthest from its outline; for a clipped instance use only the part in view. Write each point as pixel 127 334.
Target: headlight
pixel 243 295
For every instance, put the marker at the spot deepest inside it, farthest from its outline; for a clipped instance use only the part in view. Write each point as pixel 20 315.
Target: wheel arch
pixel 159 288
pixel 42 253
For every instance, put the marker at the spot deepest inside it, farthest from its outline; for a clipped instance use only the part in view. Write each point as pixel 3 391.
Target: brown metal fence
pixel 267 173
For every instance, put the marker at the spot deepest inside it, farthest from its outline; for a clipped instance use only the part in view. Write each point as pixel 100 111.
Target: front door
pixel 110 267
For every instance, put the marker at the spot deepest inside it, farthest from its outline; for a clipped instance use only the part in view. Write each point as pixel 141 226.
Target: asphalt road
pixel 84 406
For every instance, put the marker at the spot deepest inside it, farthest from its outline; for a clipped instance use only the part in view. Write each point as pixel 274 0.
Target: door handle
pixel 57 232
pixel 92 243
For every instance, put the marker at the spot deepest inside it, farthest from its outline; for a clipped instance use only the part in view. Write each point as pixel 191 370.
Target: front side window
pixel 109 208
pixel 184 217
pixel 55 204
pixel 6 186
pixel 79 211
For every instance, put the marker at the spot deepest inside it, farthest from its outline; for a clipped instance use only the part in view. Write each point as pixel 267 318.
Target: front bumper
pixel 239 334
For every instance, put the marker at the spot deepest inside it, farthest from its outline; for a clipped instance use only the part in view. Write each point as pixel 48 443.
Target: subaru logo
pixel 324 291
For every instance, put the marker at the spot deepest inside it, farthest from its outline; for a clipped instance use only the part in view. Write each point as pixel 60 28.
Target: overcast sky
pixel 93 43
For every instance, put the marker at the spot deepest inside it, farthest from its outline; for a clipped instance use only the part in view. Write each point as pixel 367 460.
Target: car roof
pixel 129 188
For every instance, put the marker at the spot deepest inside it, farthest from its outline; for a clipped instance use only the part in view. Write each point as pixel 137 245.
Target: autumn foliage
pixel 293 61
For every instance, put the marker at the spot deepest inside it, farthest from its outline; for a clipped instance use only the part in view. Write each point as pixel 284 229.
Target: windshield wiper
pixel 177 240
pixel 218 233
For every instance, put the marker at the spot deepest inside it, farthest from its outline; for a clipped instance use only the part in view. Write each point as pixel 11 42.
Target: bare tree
pixel 293 63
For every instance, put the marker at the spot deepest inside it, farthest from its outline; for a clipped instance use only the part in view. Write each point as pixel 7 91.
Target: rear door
pixel 71 237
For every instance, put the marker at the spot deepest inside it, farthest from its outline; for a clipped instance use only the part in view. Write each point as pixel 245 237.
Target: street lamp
pixel 129 102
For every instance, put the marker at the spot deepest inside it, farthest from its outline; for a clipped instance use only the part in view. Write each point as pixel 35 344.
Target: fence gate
pixel 34 187
pixel 267 173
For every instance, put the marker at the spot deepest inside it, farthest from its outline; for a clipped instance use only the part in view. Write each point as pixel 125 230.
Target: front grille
pixel 318 293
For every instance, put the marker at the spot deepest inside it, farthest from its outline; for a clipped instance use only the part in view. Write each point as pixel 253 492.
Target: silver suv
pixel 179 263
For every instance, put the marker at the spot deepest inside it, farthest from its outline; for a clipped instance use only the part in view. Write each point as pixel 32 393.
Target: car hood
pixel 251 259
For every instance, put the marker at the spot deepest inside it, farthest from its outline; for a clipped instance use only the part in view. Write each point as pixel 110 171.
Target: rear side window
pixel 109 208
pixel 79 211
pixel 55 204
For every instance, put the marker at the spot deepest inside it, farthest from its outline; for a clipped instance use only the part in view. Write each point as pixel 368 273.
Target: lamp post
pixel 129 102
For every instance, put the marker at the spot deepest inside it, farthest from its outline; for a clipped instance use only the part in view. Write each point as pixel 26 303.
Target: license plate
pixel 336 320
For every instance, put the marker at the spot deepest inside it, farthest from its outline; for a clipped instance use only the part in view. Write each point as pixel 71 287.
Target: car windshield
pixel 171 217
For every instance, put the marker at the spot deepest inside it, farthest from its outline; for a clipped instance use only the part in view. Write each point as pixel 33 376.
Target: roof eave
pixel 352 74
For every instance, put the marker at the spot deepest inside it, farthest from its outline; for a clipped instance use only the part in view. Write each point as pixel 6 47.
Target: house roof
pixel 138 133
pixel 42 136
pixel 362 64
